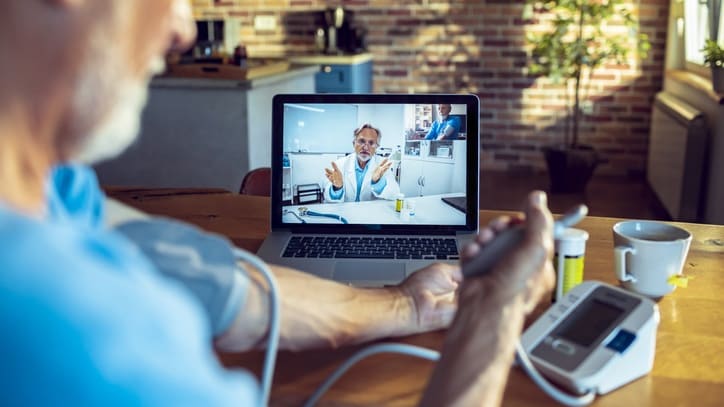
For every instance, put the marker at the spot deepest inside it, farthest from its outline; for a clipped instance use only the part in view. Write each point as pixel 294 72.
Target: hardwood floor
pixel 619 197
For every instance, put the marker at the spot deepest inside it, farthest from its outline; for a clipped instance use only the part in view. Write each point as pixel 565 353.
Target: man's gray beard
pixel 364 159
pixel 112 128
pixel 120 128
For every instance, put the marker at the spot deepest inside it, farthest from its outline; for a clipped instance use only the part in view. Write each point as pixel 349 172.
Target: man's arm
pixel 335 194
pixel 321 313
pixel 480 344
pixel 451 127
pixel 433 133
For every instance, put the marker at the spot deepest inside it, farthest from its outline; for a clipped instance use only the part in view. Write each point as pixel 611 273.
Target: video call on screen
pixel 424 166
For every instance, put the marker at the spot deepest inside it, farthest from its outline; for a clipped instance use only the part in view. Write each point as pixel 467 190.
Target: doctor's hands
pixel 380 170
pixel 431 292
pixel 526 273
pixel 334 176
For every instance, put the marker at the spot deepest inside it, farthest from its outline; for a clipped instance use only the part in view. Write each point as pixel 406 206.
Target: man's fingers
pixel 469 251
pixel 500 223
pixel 539 221
pixel 334 165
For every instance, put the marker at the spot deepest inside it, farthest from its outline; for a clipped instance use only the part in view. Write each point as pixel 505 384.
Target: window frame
pixel 715 30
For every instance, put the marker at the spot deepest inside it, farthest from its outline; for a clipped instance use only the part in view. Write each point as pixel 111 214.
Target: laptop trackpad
pixel 369 271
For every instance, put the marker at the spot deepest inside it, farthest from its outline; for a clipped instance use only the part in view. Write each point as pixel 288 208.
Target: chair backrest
pixel 257 182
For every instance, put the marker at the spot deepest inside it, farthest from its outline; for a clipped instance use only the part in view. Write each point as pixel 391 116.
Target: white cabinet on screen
pixel 426 174
pixel 419 177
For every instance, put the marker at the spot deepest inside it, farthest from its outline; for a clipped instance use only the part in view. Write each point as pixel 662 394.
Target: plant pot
pixel 717 79
pixel 570 168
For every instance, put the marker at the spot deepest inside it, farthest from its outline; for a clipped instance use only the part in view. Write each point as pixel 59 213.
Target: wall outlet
pixel 265 22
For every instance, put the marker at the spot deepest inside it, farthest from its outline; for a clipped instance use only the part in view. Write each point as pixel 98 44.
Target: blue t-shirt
pixel 86 320
pixel 438 128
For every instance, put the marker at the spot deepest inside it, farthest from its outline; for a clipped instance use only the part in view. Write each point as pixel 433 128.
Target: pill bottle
pixel 399 202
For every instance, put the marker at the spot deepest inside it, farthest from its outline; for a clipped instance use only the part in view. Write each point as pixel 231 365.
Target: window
pixel 702 19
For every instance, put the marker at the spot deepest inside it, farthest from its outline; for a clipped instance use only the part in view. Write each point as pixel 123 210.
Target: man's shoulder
pixel 346 162
pixel 106 319
pixel 22 235
pixel 36 254
pixel 32 241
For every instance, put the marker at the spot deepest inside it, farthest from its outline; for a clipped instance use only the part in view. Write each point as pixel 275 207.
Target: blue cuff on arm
pixel 380 185
pixel 336 194
pixel 202 262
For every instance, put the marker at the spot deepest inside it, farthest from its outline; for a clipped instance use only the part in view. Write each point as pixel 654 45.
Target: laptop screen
pixel 375 161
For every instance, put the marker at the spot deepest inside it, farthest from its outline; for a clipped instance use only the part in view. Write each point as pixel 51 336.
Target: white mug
pixel 647 254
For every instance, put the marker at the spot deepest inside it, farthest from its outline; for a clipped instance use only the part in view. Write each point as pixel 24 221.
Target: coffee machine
pixel 337 33
pixel 209 45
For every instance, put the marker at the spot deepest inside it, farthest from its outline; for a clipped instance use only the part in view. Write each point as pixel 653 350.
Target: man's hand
pixel 380 170
pixel 527 270
pixel 334 176
pixel 432 292
pixel 480 344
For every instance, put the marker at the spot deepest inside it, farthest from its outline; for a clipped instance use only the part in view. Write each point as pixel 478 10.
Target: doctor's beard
pixel 364 158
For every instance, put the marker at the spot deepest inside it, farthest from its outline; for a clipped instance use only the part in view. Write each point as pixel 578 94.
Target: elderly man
pixel 362 175
pixel 446 127
pixel 88 320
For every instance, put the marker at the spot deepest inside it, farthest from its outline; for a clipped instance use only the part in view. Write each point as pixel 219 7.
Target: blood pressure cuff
pixel 202 262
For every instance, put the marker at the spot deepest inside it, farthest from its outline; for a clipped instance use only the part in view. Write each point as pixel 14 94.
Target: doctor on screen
pixel 362 175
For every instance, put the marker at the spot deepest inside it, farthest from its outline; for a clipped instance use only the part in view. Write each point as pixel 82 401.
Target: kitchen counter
pixel 199 132
pixel 340 73
pixel 322 59
pixel 207 80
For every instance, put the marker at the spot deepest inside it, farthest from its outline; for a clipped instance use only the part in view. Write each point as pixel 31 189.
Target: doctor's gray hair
pixel 359 129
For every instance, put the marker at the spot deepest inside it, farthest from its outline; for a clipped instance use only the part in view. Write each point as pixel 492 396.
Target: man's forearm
pixel 318 313
pixel 477 355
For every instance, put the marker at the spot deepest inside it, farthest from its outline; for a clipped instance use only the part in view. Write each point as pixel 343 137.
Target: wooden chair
pixel 257 182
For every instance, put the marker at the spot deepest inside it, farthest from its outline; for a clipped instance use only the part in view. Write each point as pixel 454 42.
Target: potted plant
pixel 714 58
pixel 582 35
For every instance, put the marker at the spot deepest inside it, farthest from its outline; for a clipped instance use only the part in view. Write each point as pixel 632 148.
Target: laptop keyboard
pixel 372 247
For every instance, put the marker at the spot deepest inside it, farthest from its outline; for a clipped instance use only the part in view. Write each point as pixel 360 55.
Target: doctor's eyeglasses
pixel 370 143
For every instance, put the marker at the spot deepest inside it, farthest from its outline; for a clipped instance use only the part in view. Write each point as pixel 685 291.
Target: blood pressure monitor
pixel 596 338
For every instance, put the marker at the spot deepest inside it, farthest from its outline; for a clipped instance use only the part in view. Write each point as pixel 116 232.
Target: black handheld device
pixel 508 239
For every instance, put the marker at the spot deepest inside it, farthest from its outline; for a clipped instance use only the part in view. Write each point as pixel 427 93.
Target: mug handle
pixel 619 263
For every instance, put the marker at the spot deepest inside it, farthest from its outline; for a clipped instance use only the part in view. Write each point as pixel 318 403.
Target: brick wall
pixel 477 46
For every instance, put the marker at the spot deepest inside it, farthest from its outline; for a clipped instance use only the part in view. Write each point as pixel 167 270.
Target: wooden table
pixel 689 366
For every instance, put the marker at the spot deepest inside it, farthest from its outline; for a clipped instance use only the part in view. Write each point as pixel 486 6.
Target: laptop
pixel 364 234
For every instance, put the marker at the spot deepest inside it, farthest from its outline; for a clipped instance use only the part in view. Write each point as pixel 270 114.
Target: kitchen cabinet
pixel 424 174
pixel 340 73
pixel 420 177
pixel 204 132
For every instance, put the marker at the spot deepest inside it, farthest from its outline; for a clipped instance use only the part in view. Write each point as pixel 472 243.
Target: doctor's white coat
pixel 347 166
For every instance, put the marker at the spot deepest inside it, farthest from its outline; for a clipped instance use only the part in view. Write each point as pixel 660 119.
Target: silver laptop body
pixel 382 237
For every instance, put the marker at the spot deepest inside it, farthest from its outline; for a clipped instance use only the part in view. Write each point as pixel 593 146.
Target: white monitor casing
pixel 604 368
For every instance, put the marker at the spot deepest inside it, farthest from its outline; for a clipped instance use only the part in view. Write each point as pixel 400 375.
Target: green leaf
pixel 577 38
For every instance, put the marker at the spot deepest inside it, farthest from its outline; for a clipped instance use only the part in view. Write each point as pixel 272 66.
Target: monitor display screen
pixel 375 163
pixel 592 319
